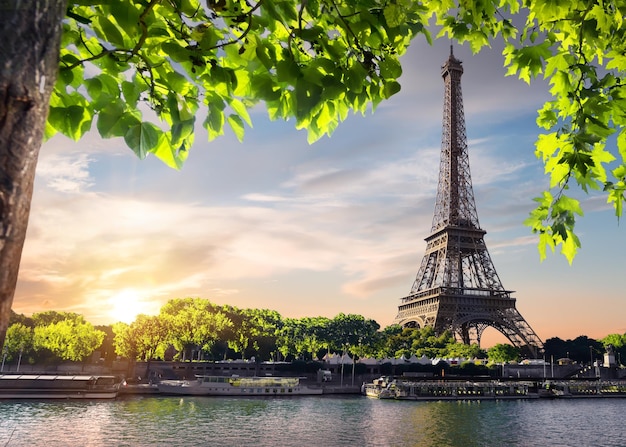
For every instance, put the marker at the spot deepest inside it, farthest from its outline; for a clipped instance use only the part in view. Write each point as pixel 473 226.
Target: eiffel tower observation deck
pixel 457 287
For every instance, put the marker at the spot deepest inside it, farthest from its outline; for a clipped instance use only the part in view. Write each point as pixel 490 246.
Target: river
pixel 311 421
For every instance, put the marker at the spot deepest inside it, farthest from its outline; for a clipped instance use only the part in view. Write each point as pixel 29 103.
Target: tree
pixel 19 340
pixel 502 353
pixel 252 328
pixel 618 341
pixel 314 60
pixel 107 348
pixel 20 318
pixel 52 316
pixel 144 339
pixel 349 332
pixel 462 350
pixel 582 349
pixel 193 323
pixel 304 337
pixel 30 32
pixel 418 341
pixel 124 341
pixel 149 335
pixel 68 339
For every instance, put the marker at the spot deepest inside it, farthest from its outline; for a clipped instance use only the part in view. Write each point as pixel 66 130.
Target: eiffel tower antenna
pixel 457 287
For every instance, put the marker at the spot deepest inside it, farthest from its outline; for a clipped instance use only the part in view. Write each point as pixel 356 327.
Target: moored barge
pixel 238 386
pixel 402 389
pixel 44 386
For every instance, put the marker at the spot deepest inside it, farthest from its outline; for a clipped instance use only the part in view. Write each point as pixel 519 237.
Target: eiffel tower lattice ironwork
pixel 457 287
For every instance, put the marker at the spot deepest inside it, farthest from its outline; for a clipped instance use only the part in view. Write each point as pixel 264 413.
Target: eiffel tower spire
pixel 457 287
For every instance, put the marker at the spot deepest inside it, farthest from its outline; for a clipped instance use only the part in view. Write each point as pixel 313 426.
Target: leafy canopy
pixel 146 69
pixel 313 60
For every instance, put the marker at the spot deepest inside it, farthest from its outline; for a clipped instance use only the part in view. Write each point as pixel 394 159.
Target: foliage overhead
pixel 316 60
pixel 312 60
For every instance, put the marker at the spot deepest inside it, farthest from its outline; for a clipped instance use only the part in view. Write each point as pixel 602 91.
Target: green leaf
pixel 391 88
pixel 215 121
pixel 288 71
pixel 236 124
pixel 142 138
pixel 182 130
pixel 390 68
pixel 621 144
pixel 109 31
pixel 114 120
pixel 616 197
pixel 355 78
pixel 570 246
pixel 177 52
pixel 127 15
pixel 103 89
pixel 178 83
pixel 241 110
pixel 545 240
pixel 131 93
pixel 72 121
pixel 172 156
pixel 568 205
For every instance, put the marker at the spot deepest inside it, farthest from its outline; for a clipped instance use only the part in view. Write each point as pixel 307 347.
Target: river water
pixel 312 421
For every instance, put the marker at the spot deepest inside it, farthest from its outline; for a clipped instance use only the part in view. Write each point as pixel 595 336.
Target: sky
pixel 315 230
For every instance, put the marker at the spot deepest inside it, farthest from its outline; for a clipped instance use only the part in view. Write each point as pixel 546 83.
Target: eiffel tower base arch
pixel 468 316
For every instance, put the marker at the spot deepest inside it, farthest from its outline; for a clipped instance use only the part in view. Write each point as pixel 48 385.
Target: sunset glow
pixel 126 305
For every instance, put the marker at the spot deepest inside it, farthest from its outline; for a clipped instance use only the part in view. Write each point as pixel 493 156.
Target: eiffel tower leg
pixel 480 328
pixel 464 332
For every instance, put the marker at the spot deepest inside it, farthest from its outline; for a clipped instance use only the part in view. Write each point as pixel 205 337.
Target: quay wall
pixel 363 373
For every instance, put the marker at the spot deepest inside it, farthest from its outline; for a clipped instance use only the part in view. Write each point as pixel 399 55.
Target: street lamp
pixel 591 355
pixel 19 360
pixel 343 355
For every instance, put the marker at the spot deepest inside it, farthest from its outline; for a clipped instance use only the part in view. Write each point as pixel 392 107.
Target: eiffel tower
pixel 457 287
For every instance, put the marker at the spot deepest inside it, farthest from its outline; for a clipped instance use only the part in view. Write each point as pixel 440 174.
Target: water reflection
pixel 304 421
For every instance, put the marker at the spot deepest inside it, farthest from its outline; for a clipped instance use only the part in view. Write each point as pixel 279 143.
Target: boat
pixel 47 386
pixel 381 388
pixel 238 386
pixel 408 389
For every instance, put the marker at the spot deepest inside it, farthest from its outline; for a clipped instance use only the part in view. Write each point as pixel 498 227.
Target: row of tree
pixel 197 329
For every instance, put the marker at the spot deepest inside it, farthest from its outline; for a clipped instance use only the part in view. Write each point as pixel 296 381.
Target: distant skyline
pixel 308 230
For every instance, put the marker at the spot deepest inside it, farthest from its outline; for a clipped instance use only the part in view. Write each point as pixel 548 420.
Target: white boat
pixel 381 388
pixel 46 386
pixel 238 386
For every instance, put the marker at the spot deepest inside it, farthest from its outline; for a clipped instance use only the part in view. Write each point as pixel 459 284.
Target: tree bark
pixel 30 33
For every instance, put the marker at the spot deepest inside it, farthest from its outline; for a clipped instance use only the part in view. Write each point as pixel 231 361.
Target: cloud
pixel 64 173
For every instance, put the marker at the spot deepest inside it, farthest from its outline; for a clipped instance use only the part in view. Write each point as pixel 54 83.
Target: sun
pixel 126 305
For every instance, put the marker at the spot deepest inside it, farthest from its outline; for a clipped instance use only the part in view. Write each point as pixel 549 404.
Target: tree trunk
pixel 30 33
